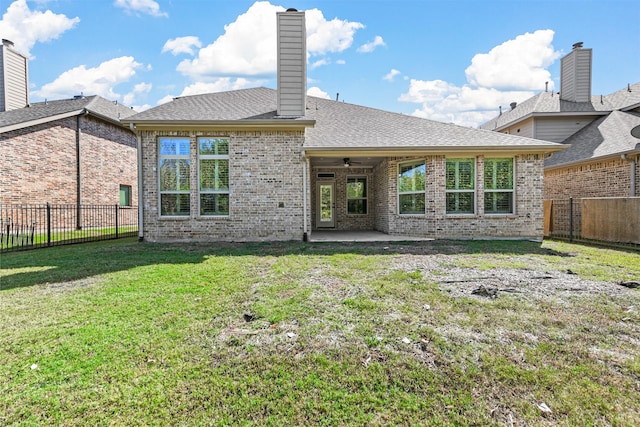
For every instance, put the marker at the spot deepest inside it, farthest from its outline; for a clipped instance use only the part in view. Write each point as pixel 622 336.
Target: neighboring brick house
pixel 73 151
pixel 263 164
pixel 603 159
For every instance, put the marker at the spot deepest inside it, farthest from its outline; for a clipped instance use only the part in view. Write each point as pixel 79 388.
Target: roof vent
pixel 578 45
pixel 513 105
pixel 81 96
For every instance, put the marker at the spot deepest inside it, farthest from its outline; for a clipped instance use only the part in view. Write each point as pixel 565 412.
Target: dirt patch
pixel 535 282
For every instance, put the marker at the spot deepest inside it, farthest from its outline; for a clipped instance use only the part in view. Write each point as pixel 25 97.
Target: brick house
pixel 73 151
pixel 602 158
pixel 263 164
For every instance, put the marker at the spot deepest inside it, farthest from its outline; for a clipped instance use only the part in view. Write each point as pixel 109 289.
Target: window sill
pixel 174 218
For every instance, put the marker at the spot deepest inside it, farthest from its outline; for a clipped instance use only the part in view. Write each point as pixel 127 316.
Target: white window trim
pixel 213 157
pixel 474 191
pixel 161 192
pixel 512 191
pixel 366 185
pixel 412 162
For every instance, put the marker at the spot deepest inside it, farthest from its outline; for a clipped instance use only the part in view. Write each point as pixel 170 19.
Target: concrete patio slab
pixel 360 236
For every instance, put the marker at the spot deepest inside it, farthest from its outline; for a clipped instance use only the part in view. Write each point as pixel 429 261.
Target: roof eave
pixel 219 124
pixel 549 114
pixel 22 125
pixel 433 150
pixel 635 151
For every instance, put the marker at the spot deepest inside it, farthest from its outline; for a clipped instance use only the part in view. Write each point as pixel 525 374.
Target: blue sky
pixel 453 61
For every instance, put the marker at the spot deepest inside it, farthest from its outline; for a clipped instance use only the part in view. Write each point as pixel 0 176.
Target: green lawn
pixel 128 333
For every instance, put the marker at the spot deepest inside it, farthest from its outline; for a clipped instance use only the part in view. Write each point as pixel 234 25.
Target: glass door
pixel 326 205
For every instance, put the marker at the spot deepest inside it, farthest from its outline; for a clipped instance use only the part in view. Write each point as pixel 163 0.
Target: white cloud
pixel 515 64
pixel 25 27
pixel 182 45
pixel 219 85
pixel 247 46
pixel 391 75
pixel 165 99
pixel 140 108
pixel 371 46
pixel 320 63
pixel 341 62
pixel 511 72
pixel 140 88
pixel 328 36
pixel 100 80
pixel 148 7
pixel 317 92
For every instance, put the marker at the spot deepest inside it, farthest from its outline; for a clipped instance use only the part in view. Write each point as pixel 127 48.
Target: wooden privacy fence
pixel 44 225
pixel 606 219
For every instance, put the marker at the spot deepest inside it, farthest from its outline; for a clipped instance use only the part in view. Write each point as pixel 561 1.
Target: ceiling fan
pixel 347 162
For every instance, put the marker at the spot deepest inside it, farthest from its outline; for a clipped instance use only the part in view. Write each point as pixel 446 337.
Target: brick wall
pixel 606 178
pixel 526 222
pixel 345 221
pixel 38 164
pixel 266 189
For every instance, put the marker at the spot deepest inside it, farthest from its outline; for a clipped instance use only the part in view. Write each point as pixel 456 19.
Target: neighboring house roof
pixel 549 104
pixel 604 137
pixel 44 112
pixel 627 98
pixel 333 126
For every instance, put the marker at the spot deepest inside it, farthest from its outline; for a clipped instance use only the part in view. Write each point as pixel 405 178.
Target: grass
pixel 129 333
pixel 12 240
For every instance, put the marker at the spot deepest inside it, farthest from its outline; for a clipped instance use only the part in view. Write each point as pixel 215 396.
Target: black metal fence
pixel 566 219
pixel 35 226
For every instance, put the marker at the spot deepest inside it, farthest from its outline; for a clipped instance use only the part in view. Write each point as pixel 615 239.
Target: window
pixel 174 170
pixel 498 186
pixel 411 187
pixel 460 186
pixel 357 195
pixel 125 195
pixel 213 155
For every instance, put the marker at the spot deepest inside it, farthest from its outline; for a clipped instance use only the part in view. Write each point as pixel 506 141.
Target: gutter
pixel 632 173
pixel 442 150
pixel 547 115
pixel 305 165
pixel 140 181
pixel 78 170
pixel 218 124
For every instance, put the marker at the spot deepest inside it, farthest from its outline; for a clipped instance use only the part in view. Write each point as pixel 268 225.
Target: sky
pixel 446 60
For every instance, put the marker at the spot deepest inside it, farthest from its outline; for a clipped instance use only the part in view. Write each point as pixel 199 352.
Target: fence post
pixel 117 210
pixel 48 224
pixel 571 219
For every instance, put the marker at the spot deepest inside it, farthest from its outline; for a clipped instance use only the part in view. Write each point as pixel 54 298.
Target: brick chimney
pixel 575 75
pixel 14 78
pixel 292 64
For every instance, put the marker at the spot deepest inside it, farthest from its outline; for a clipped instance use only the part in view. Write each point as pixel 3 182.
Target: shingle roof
pixel 550 103
pixel 338 125
pixel 606 136
pixel 246 104
pixel 41 111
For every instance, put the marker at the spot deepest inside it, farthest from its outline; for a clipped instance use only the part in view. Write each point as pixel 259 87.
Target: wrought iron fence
pixel 44 225
pixel 566 219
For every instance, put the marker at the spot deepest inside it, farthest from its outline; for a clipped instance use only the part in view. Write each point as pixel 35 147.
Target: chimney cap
pixel 292 9
pixel 7 43
pixel 578 45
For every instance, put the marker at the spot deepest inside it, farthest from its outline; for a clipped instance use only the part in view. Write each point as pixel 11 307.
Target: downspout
pixel 78 171
pixel 140 180
pixel 305 236
pixel 632 173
